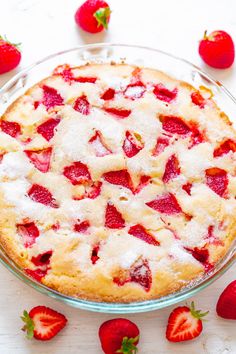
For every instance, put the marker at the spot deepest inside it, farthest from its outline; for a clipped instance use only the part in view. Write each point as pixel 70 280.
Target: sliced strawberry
pixel 94 255
pixel 118 112
pixel 47 128
pixel 40 158
pixel 113 218
pixel 197 99
pixel 82 226
pixel 109 94
pixel 84 79
pixel 40 194
pixel 11 128
pixel 196 136
pixel 140 232
pixel 51 97
pixel 226 305
pixel 135 90
pixel 132 144
pixel 163 94
pixel 184 323
pixel 217 180
pixel 161 144
pixel 166 204
pixel 98 144
pixel 65 71
pixel 77 173
pixel 143 182
pixel 174 125
pixel 82 105
pixel 187 188
pixel 42 258
pixel 120 178
pixel 172 169
pixel 29 232
pixel 94 190
pixel 37 274
pixel 43 323
pixel 225 148
pixel 140 273
pixel 201 255
pixel 36 104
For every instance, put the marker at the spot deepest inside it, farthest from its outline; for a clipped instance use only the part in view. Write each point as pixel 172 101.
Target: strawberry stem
pixel 128 346
pixel 102 16
pixel 4 38
pixel 29 325
pixel 197 313
pixel 205 35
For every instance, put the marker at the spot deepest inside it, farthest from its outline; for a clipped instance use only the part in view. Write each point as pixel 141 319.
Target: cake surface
pixel 118 183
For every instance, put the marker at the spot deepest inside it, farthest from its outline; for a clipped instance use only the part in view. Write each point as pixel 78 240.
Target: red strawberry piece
pixel 51 97
pixel 119 335
pixel 200 254
pixel 108 94
pixel 82 226
pixel 118 112
pixel 47 129
pixel 187 188
pixel 56 226
pixel 93 16
pixel 43 323
pixel 132 144
pixel 65 71
pixel 94 255
pixel 42 258
pixel 163 94
pixel 217 49
pixel 184 323
pixel 166 204
pixel 36 104
pixel 217 180
pixel 143 182
pixel 40 158
pixel 226 305
pixel 37 274
pixel 82 105
pixel 98 144
pixel 29 232
pixel 10 56
pixel 197 99
pixel 77 173
pixel 174 125
pixel 94 190
pixel 85 79
pixel 225 148
pixel 172 169
pixel 196 135
pixel 11 128
pixel 113 218
pixel 140 273
pixel 140 232
pixel 161 144
pixel 40 194
pixel 135 90
pixel 120 178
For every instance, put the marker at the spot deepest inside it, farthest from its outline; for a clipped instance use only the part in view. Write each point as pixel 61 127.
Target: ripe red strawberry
pixel 187 187
pixel 120 178
pixel 40 194
pixel 113 218
pixel 132 144
pixel 217 180
pixel 94 255
pixel 197 99
pixel 141 273
pixel 10 56
pixel 37 274
pixel 42 259
pixel 93 16
pixel 163 94
pixel 226 305
pixel 51 97
pixel 161 144
pixel 82 105
pixel 119 335
pixel 217 49
pixel 174 125
pixel 108 94
pixel 11 128
pixel 184 323
pixel 118 112
pixel 40 158
pixel 165 203
pixel 99 145
pixel 172 169
pixel 82 226
pixel 43 323
pixel 143 182
pixel 77 173
pixel 140 232
pixel 47 128
pixel 225 147
pixel 29 232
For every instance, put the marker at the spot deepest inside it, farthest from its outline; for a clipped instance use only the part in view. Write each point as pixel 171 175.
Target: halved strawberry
pixel 172 169
pixel 166 204
pixel 217 180
pixel 94 255
pixel 132 144
pixel 141 273
pixel 29 232
pixel 113 218
pixel 40 194
pixel 40 158
pixel 37 274
pixel 197 99
pixel 226 304
pixel 161 144
pixel 227 146
pixel 82 105
pixel 51 97
pixel 184 323
pixel 120 178
pixel 43 323
pixel 140 232
pixel 109 94
pixel 163 94
pixel 82 226
pixel 135 90
pixel 98 144
pixel 42 258
pixel 118 112
pixel 11 128
pixel 187 187
pixel 77 173
pixel 47 128
pixel 174 125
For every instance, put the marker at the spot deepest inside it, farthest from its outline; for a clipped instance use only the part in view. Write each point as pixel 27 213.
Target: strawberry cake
pixel 118 183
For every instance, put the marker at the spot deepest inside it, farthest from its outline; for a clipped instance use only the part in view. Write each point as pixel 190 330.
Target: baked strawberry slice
pixel 161 144
pixel 113 218
pixel 217 180
pixel 109 94
pixel 120 178
pixel 98 144
pixel 118 112
pixel 77 173
pixel 135 90
pixel 187 187
pixel 140 232
pixel 40 194
pixel 65 71
pixel 40 158
pixel 201 255
pixel 163 94
pixel 36 274
pixel 42 259
pixel 166 204
pixel 29 232
pixel 82 105
pixel 172 169
pixel 174 125
pixel 132 144
pixel 51 97
pixel 47 129
pixel 197 99
pixel 184 323
pixel 43 323
pixel 93 190
pixel 225 148
pixel 141 273
pixel 94 255
pixel 119 335
pixel 82 226
pixel 85 79
pixel 226 304
pixel 143 182
pixel 11 128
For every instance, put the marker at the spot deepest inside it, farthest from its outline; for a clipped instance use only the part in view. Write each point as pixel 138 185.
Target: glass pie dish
pixel 139 56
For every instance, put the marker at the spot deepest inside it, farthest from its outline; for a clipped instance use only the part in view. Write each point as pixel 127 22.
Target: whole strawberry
pixel 226 305
pixel 217 49
pixel 10 56
pixel 93 16
pixel 119 336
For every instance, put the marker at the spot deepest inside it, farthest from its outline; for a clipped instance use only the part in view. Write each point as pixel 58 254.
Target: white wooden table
pixel 47 26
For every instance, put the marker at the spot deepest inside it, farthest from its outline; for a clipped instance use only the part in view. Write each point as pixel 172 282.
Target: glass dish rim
pixel 134 307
